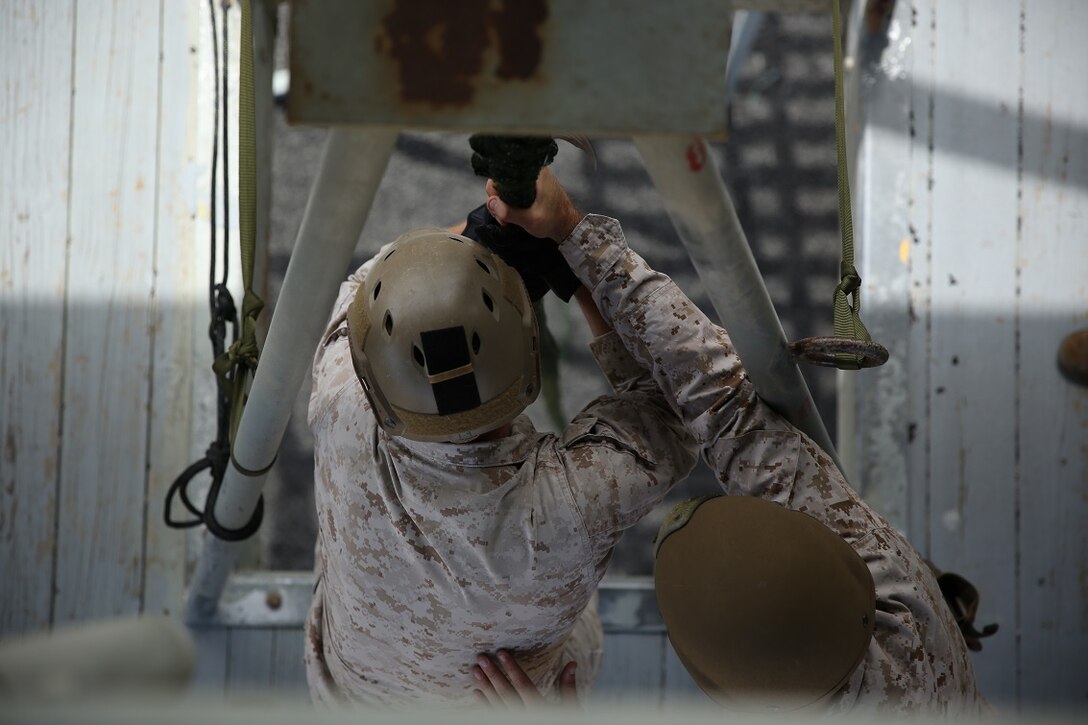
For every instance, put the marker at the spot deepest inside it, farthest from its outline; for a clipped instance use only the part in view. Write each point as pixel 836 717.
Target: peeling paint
pixel 951 520
pixel 441 49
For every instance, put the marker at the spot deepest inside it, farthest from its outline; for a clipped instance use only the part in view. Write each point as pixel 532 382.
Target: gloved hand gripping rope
pixel 514 163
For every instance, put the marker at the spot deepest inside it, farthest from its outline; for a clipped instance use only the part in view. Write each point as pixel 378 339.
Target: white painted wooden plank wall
pixel 97 304
pixel 973 216
pixel 179 323
pixel 1052 443
pixel 107 315
pixel 35 55
pixel 972 329
pixel 242 662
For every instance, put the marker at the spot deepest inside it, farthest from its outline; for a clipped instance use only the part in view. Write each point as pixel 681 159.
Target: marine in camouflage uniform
pixel 917 660
pixel 429 553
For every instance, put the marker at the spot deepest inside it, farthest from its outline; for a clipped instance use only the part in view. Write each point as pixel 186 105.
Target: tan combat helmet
pixel 443 338
pixel 767 608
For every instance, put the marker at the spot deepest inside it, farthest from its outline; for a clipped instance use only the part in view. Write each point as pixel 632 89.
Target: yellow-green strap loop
pixel 235 366
pixel 247 154
pixel 847 316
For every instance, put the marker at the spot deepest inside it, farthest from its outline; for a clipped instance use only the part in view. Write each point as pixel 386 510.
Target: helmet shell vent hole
pixel 377 289
pixel 456 239
pixel 388 323
pixel 483 265
pixel 488 302
pixel 418 355
pixel 391 252
pixel 475 343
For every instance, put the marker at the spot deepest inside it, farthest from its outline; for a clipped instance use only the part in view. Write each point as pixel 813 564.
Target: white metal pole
pixel 687 176
pixel 352 166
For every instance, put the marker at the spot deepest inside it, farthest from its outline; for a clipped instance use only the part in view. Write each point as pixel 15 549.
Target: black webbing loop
pixel 222 532
pixel 250 472
pixel 215 459
pixel 231 364
pixel 180 486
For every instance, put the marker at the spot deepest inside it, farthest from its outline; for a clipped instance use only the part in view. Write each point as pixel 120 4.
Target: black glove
pixel 513 163
pixel 538 261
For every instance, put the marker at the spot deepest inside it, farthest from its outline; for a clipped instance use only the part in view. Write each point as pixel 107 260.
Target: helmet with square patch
pixel 443 338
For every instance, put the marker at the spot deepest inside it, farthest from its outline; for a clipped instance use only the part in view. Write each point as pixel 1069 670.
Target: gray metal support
pixel 687 176
pixel 352 166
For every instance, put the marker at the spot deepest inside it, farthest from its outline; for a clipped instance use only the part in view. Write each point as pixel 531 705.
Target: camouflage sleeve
pixel 917 658
pixel 624 451
pixel 752 450
pixel 692 359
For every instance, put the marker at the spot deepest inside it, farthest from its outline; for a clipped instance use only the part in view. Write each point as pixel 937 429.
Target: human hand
pixel 552 216
pixel 501 682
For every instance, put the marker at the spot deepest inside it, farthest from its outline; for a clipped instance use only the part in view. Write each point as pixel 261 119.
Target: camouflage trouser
pixel 585 645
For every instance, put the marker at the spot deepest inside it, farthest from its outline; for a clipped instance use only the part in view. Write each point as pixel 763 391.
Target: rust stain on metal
pixel 438 47
pixel 441 48
pixel 521 44
pixel 877 15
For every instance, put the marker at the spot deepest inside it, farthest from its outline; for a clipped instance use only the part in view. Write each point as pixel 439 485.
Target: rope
pixel 234 365
pixel 239 362
pixel 847 316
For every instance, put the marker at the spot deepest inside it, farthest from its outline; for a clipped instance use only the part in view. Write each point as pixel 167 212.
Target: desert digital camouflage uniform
pixel 917 659
pixel 429 553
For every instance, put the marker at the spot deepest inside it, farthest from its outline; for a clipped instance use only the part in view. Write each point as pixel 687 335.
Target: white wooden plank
pixel 632 671
pixel 35 73
pixel 288 668
pixel 881 193
pixel 920 264
pixel 1053 416
pixel 107 359
pixel 973 482
pixel 250 661
pixel 179 296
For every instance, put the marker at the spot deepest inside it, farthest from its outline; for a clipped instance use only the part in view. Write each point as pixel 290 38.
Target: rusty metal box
pixel 605 67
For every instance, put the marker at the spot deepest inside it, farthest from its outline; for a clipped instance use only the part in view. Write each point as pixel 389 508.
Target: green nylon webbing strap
pixel 847 317
pixel 236 365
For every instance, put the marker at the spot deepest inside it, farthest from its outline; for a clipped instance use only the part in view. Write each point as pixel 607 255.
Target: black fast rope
pixel 222 312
